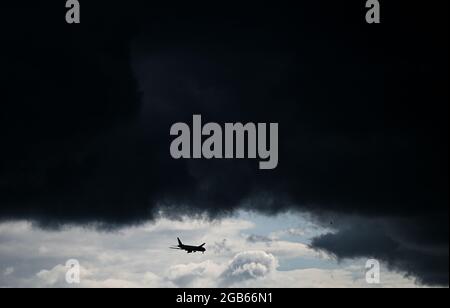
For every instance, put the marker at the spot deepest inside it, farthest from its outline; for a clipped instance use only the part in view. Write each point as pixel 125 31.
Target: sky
pixel 362 172
pixel 244 250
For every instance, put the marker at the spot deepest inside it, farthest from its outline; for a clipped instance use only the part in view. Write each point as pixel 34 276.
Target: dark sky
pixel 363 114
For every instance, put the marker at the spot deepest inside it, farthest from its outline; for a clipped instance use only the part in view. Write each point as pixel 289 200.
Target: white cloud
pixel 53 277
pixel 8 271
pixel 194 274
pixel 248 265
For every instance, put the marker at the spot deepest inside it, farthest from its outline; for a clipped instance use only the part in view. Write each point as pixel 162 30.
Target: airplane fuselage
pixel 190 249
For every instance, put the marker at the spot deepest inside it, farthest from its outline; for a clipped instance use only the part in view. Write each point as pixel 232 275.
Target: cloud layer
pixel 363 120
pixel 140 257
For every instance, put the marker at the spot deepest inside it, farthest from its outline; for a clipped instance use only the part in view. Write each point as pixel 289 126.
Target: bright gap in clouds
pixel 247 250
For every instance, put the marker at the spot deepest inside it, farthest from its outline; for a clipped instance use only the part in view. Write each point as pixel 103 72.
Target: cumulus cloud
pixel 194 274
pixel 95 278
pixel 244 266
pixel 8 271
pixel 249 265
pixel 54 277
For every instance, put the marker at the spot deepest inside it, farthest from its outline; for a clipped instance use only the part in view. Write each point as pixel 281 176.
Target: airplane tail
pixel 179 241
pixel 202 245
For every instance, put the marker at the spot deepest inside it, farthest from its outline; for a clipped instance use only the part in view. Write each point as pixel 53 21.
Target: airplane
pixel 188 248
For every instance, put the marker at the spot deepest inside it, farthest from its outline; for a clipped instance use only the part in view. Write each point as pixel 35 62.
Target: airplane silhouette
pixel 188 248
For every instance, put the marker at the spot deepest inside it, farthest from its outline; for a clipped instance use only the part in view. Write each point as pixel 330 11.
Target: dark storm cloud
pixel 363 118
pixel 427 262
pixel 68 150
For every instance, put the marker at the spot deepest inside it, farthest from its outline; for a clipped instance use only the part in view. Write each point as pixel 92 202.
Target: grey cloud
pixel 255 238
pixel 376 239
pixel 221 247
